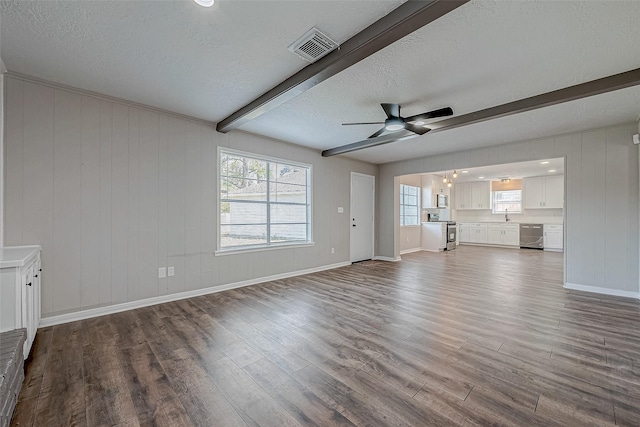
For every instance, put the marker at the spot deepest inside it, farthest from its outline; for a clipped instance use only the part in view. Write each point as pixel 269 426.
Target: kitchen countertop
pixel 511 222
pixel 17 256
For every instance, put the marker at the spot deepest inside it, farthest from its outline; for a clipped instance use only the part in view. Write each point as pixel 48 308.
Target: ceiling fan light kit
pixel 395 122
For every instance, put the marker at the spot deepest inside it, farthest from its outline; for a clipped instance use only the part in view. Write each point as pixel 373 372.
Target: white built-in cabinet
pixel 463 233
pixel 472 195
pixel 503 234
pixel 544 192
pixel 553 237
pixel 432 185
pixel 477 232
pixel 20 275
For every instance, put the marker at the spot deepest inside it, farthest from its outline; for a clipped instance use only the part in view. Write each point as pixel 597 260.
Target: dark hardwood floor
pixel 477 336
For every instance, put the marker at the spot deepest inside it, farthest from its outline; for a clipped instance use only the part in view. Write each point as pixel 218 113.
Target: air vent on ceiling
pixel 313 45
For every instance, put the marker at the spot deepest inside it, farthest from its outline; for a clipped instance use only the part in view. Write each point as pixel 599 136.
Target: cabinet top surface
pixel 17 256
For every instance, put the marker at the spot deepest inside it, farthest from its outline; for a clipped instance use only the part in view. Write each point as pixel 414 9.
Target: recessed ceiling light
pixel 552 170
pixel 544 163
pixel 481 177
pixel 465 171
pixel 205 3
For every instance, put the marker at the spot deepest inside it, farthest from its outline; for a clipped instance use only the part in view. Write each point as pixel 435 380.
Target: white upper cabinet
pixel 481 195
pixel 473 195
pixel 544 192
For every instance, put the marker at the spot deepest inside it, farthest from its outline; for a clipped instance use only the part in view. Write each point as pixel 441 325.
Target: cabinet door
pixel 511 237
pixel 480 195
pixel 28 307
pixel 494 236
pixel 482 235
pixel 533 192
pixel 463 196
pixel 554 192
pixel 463 232
pixel 553 239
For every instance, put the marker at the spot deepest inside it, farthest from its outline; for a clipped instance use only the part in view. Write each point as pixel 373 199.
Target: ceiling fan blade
pixel 420 130
pixel 392 110
pixel 443 112
pixel 380 132
pixel 363 123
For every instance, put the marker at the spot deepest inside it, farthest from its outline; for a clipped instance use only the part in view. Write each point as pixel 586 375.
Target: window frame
pixel 266 246
pixel 417 205
pixel 493 202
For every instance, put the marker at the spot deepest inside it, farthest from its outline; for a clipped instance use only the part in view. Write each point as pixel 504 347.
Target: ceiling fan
pixel 395 122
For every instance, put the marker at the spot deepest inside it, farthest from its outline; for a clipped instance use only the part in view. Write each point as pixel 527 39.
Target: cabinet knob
pixel 35 275
pixel 29 284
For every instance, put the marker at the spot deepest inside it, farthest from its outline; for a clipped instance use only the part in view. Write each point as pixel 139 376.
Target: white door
pixel 362 210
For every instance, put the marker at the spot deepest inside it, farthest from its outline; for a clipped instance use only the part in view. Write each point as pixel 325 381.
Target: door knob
pixel 354 225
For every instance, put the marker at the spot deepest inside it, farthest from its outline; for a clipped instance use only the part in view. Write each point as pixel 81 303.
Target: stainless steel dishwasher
pixel 531 236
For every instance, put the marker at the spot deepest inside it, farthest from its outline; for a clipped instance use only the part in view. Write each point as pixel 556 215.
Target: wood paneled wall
pixel 601 199
pixel 113 191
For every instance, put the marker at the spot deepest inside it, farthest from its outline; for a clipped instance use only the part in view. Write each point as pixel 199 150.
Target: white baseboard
pixel 386 258
pixel 606 291
pixel 117 308
pixel 408 251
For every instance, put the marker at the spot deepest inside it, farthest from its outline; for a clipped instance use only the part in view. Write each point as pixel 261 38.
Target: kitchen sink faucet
pixel 506 215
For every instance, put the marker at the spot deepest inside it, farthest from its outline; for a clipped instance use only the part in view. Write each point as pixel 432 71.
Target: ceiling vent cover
pixel 313 45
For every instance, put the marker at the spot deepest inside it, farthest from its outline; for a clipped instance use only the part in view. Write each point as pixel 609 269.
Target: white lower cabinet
pixel 553 237
pixel 477 232
pixel 503 234
pixel 20 274
pixel 463 233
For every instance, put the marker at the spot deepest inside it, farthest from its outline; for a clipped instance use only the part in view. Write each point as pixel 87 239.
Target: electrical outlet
pixel 333 251
pixel 162 273
pixel 171 272
pixel 340 209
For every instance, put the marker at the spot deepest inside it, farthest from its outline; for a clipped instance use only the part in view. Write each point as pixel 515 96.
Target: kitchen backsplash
pixel 542 216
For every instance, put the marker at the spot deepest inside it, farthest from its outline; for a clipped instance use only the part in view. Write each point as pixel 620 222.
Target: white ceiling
pixel 208 63
pixel 507 170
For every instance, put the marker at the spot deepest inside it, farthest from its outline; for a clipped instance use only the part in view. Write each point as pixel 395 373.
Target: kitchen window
pixel 409 205
pixel 507 201
pixel 263 202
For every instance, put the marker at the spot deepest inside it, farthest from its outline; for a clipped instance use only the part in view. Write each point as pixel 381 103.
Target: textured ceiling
pixel 175 55
pixel 208 63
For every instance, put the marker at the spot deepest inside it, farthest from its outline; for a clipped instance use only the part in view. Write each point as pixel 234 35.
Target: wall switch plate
pixel 333 251
pixel 162 273
pixel 340 209
pixel 171 272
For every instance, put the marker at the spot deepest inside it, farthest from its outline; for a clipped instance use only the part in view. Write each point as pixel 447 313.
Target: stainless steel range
pixel 452 231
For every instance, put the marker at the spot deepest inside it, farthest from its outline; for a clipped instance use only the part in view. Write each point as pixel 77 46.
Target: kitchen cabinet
pixel 553 237
pixel 478 232
pixel 434 236
pixel 463 233
pixel 432 185
pixel 544 192
pixel 472 195
pixel 503 234
pixel 20 275
pixel 481 195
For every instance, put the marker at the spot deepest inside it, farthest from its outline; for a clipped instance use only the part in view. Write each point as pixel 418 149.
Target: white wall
pixel 601 180
pixel 113 191
pixel 2 71
pixel 410 236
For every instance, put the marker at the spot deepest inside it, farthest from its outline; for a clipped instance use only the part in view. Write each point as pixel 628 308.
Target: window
pixel 409 205
pixel 507 201
pixel 263 202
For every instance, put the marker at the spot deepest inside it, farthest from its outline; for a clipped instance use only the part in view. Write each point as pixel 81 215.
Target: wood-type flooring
pixel 476 336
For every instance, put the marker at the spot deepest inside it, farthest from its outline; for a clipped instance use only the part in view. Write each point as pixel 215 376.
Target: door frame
pixel 373 221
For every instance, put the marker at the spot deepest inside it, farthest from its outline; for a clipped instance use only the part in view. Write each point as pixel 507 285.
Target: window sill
pixel 410 226
pixel 222 252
